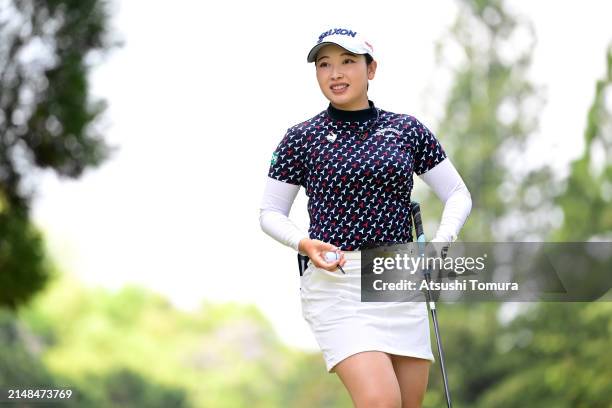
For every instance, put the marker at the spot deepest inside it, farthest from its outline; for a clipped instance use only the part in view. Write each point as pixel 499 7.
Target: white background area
pixel 200 95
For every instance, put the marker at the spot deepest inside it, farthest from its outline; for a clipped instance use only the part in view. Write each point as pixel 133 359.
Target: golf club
pixel 418 224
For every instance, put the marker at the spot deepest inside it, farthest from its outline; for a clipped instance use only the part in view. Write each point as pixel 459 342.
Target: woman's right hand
pixel 316 250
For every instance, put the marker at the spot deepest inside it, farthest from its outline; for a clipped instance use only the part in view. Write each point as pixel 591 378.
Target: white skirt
pixel 343 325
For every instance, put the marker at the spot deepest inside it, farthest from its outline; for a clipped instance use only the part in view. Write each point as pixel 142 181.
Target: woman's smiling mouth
pixel 339 88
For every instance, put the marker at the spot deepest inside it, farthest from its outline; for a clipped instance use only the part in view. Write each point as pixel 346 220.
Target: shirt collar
pixel 361 115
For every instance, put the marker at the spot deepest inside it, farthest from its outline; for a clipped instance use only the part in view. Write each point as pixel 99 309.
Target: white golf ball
pixel 331 256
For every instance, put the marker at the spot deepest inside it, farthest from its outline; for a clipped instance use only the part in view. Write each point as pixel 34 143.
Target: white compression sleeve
pixel 274 213
pixel 448 185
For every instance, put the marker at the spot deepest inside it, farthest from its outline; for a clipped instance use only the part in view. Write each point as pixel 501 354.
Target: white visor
pixel 347 39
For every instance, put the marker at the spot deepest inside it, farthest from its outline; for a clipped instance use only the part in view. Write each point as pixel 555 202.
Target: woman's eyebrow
pixel 344 53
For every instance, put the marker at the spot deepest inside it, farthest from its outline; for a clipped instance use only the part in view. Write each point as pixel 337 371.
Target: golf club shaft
pixel 434 317
pixel 418 224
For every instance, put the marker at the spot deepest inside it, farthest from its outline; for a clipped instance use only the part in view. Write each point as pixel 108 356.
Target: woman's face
pixel 343 77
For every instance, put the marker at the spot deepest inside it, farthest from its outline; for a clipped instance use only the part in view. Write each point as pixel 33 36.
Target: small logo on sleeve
pixel 274 158
pixel 331 137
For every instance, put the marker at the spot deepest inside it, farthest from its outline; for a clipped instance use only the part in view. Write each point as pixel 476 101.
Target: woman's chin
pixel 340 100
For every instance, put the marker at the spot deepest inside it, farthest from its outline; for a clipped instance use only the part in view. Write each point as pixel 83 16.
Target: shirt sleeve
pixel 287 164
pixel 428 151
pixel 274 213
pixel 448 185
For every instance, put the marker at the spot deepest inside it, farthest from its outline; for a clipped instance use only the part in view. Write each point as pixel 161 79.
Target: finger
pixel 337 265
pixel 326 246
pixel 331 266
pixel 322 263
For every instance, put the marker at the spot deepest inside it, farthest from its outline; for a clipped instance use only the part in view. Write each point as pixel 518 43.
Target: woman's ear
pixel 372 69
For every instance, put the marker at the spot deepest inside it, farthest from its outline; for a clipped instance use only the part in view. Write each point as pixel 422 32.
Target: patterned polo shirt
pixel 356 168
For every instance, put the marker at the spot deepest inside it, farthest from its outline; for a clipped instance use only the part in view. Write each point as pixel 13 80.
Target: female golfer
pixel 355 162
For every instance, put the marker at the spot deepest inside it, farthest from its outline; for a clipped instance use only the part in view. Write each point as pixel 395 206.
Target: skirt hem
pixel 332 362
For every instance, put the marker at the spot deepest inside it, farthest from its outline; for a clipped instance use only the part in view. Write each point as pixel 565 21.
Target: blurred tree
pixel 587 199
pixel 491 109
pixel 222 356
pixel 125 388
pixel 306 384
pixel 21 367
pixel 47 120
pixel 546 355
pixel 553 355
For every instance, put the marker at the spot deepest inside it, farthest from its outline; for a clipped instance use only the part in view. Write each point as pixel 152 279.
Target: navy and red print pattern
pixel 357 174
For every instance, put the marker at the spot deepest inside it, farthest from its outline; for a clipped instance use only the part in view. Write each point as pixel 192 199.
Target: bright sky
pixel 199 97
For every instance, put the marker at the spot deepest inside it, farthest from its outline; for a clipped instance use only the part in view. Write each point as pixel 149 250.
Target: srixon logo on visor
pixel 337 31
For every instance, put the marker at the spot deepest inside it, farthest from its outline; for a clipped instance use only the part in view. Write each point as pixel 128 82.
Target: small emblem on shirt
pixel 274 158
pixel 331 137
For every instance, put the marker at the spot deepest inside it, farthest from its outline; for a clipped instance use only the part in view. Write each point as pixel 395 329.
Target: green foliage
pixel 47 120
pixel 307 384
pixel 128 389
pixel 21 255
pixel 221 356
pixel 21 367
pixel 558 356
pixel 547 355
pixel 587 199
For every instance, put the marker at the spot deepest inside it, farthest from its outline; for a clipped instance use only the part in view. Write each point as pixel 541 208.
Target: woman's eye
pixel 348 60
pixel 323 64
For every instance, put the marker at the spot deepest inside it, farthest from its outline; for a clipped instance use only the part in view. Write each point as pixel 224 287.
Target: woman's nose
pixel 336 74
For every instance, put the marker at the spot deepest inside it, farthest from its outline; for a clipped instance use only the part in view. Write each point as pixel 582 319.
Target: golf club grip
pixel 416 215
